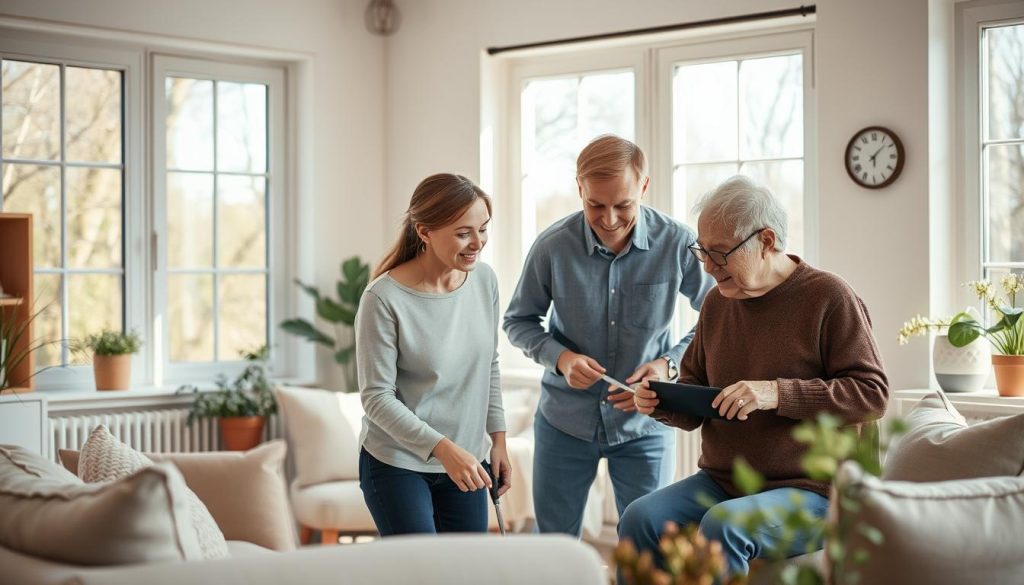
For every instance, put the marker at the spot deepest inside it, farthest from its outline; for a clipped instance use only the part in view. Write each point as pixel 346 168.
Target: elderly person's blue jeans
pixel 644 519
pixel 411 502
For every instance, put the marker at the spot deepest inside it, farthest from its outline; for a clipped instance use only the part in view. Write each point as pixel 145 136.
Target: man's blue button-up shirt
pixel 615 308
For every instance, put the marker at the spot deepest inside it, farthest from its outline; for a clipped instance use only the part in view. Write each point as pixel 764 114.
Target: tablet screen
pixel 687 398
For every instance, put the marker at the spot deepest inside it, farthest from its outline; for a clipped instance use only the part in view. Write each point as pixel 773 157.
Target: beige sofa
pixel 59 523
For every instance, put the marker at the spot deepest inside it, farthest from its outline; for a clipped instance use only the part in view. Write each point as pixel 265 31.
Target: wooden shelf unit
pixel 16 278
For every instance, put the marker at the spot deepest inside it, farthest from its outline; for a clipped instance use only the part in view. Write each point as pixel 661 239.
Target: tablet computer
pixel 686 398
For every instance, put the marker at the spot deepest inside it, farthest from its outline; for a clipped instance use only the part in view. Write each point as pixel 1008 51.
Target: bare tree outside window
pixel 61 160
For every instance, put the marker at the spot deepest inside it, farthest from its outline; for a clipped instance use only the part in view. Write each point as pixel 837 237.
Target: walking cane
pixel 495 484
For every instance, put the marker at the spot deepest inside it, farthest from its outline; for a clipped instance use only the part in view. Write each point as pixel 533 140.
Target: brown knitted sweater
pixel 812 334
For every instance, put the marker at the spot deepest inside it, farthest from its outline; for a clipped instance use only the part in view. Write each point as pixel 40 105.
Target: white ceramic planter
pixel 961 369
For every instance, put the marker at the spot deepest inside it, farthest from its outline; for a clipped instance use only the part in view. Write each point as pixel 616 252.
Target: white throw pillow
pixel 105 458
pixel 49 513
pixel 323 429
pixel 945 532
pixel 939 445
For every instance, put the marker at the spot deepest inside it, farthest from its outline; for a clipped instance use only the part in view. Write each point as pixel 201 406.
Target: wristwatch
pixel 673 369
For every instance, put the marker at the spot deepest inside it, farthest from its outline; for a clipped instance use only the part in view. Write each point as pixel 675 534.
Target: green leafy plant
pixel 341 313
pixel 16 347
pixel 109 342
pixel 689 561
pixel 1007 335
pixel 250 394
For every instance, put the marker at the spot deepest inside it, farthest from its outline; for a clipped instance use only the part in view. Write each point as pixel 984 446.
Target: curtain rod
pixel 801 11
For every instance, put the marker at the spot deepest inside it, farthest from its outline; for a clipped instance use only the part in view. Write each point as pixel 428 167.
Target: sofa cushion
pixel 245 492
pixel 323 428
pixel 939 445
pixel 48 513
pixel 105 458
pixel 334 504
pixel 946 532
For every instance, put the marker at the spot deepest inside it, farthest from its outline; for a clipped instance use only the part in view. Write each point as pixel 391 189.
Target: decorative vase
pixel 112 372
pixel 1009 374
pixel 961 369
pixel 241 433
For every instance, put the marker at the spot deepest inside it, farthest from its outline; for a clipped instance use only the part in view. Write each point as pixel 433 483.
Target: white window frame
pixel 17 44
pixel 289 238
pixel 273 78
pixel 971 18
pixel 651 60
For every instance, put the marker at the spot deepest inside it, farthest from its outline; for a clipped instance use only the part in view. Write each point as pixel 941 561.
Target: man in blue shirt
pixel 611 272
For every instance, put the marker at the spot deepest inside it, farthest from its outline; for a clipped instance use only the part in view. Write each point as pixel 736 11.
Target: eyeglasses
pixel 719 258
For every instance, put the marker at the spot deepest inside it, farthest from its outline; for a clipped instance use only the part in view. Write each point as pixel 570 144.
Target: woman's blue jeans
pixel 644 519
pixel 411 502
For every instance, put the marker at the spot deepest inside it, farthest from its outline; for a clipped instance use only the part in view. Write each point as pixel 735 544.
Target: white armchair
pixel 323 432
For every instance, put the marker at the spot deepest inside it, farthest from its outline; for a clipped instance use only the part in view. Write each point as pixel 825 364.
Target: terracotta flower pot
pixel 112 372
pixel 1009 374
pixel 241 433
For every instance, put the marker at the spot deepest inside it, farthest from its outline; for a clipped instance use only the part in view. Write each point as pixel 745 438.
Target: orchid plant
pixel 1007 334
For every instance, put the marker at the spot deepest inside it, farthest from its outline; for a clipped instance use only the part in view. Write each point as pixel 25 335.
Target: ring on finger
pixel 741 402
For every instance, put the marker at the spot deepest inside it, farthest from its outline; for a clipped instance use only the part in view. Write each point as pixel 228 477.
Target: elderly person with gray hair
pixel 785 341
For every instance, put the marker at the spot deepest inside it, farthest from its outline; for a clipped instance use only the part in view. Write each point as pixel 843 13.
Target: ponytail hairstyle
pixel 437 201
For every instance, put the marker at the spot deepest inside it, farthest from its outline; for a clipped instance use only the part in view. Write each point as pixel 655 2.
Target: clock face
pixel 874 157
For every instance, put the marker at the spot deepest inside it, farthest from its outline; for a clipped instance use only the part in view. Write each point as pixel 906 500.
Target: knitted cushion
pixel 105 458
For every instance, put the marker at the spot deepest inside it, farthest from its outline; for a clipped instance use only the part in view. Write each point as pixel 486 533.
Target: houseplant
pixel 957 369
pixel 15 349
pixel 1006 336
pixel 340 313
pixel 241 406
pixel 112 357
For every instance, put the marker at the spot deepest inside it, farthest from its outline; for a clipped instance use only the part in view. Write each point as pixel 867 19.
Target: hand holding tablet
pixel 686 398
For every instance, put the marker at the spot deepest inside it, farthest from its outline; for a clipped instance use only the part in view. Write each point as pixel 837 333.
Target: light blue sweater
pixel 428 369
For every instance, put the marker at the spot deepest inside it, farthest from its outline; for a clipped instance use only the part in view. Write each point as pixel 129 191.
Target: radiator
pixel 152 431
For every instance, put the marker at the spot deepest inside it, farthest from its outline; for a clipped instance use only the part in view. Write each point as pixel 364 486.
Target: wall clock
pixel 874 157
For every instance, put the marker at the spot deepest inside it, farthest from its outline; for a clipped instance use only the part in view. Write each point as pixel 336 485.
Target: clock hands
pixel 872 157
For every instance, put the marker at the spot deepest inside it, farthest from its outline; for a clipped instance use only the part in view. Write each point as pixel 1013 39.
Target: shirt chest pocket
pixel 651 305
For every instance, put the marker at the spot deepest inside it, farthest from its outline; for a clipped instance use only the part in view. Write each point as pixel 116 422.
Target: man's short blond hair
pixel 607 157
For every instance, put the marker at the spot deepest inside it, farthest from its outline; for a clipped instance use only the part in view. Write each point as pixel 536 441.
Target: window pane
pixel 190 220
pixel 1005 48
pixel 94 218
pixel 243 314
pixel 785 179
pixel 190 297
pixel 241 127
pixel 559 117
pixel 94 304
pixel 31 116
pixel 704 112
pixel 241 222
pixel 605 105
pixel 1005 179
pixel 35 189
pixel 47 326
pixel 691 182
pixel 93 115
pixel 189 124
pixel 771 107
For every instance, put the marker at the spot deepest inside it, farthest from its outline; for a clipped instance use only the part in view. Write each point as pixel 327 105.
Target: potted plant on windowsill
pixel 112 357
pixel 956 369
pixel 241 406
pixel 1006 335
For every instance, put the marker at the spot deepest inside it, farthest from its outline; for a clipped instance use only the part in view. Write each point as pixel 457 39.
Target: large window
pixel 188 251
pixel 703 110
pixel 62 161
pixel 1001 153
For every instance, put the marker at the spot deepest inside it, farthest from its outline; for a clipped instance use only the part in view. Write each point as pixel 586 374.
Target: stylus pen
pixel 617 384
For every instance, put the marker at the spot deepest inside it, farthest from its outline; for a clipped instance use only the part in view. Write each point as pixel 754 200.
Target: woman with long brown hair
pixel 427 335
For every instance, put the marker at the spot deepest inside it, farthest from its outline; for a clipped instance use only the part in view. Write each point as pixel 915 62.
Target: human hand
pixel 500 466
pixel 580 371
pixel 740 399
pixel 653 370
pixel 464 470
pixel 646 400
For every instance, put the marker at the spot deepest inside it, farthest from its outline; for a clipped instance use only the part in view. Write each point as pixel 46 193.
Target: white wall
pixel 871 68
pixel 347 101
